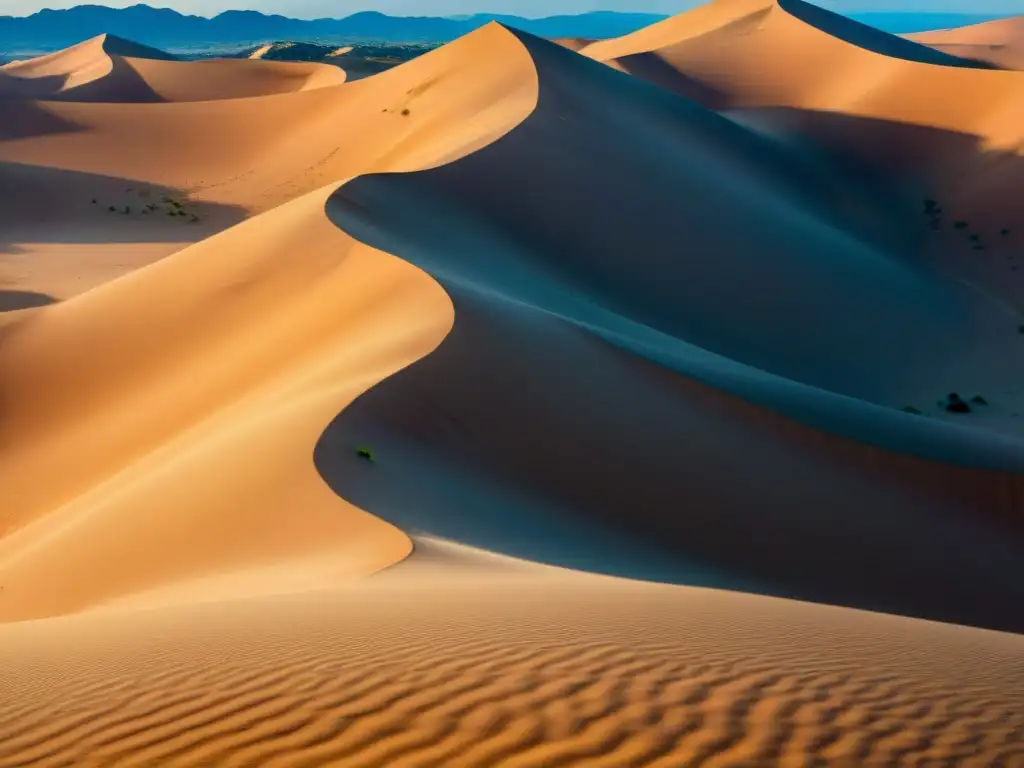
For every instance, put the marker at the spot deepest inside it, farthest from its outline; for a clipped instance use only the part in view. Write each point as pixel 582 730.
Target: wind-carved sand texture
pixel 367 443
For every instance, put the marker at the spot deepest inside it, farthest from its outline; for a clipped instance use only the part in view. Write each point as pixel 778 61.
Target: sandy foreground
pixel 653 376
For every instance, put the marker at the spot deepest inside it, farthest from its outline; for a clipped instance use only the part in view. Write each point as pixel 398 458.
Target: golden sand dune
pixel 110 69
pixel 223 160
pixel 693 53
pixel 230 288
pixel 580 326
pixel 946 134
pixel 998 42
pixel 541 672
pixel 545 313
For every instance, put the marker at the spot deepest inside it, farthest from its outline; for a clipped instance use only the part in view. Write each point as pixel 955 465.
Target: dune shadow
pixel 577 415
pixel 54 205
pixel 13 87
pixel 652 68
pixel 872 39
pixel 14 300
pixel 27 119
pixel 123 84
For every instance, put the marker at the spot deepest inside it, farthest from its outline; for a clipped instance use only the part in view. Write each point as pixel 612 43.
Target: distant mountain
pixel 164 28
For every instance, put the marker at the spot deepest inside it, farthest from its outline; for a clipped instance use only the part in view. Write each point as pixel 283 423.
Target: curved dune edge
pixel 884 118
pixel 904 483
pixel 107 69
pixel 242 347
pixel 1000 42
pixel 516 665
pixel 232 159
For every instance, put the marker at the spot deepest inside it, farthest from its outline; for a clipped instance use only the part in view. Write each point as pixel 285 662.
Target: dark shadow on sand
pixel 56 206
pixel 11 301
pixel 487 440
pixel 27 119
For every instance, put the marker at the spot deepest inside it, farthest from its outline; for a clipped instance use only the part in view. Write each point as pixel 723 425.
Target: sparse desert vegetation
pixel 563 425
pixel 173 207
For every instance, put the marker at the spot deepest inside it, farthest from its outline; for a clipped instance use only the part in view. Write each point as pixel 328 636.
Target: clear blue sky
pixel 533 8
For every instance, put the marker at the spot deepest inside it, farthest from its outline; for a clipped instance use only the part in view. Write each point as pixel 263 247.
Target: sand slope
pixel 879 115
pixel 110 69
pixel 695 379
pixel 539 672
pixel 691 310
pixel 226 159
pixel 126 375
pixel 998 42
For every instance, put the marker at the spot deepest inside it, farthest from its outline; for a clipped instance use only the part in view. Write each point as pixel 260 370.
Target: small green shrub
pixel 955 404
pixel 911 409
pixel 979 400
pixel 365 453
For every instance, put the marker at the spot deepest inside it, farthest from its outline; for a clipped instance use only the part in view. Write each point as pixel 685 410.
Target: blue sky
pixel 314 8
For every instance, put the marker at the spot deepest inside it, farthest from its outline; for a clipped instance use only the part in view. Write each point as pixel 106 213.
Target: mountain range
pixel 51 29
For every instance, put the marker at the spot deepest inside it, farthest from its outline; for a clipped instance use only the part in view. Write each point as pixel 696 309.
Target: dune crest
pixel 452 362
pixel 109 69
pixel 1000 43
pixel 126 376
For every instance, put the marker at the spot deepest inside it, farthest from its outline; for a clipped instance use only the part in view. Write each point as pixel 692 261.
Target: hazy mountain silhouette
pixel 162 27
pixel 167 28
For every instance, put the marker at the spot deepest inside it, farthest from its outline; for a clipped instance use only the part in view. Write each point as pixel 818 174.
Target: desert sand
pixel 644 376
pixel 997 42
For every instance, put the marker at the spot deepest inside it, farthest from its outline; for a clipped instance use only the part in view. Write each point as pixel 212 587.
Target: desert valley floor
pixel 654 401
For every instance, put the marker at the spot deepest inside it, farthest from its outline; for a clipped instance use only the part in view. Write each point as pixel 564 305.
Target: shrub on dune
pixel 366 454
pixel 956 404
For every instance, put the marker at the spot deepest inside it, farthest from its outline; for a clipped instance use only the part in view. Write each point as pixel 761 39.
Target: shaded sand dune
pixel 110 69
pixel 950 134
pixel 225 159
pixel 1000 43
pixel 709 53
pixel 571 318
pixel 873 333
pixel 227 346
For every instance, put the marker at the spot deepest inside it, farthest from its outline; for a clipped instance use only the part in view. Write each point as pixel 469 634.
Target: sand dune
pixel 110 69
pixel 525 673
pixel 226 160
pixel 583 327
pixel 888 119
pixel 689 312
pixel 998 42
pixel 125 375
